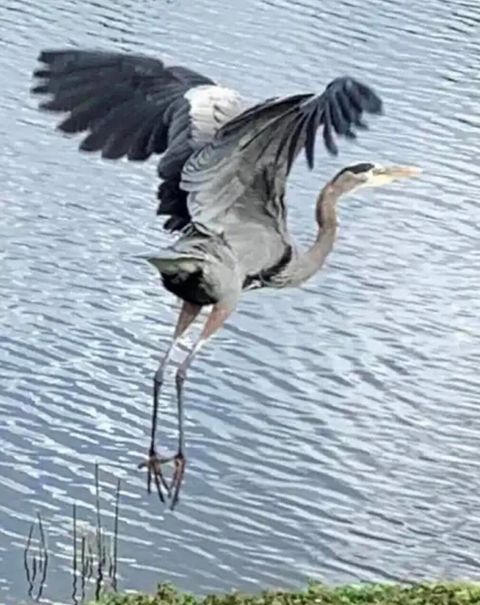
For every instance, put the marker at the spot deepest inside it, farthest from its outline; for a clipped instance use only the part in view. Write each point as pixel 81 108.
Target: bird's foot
pixel 154 470
pixel 178 473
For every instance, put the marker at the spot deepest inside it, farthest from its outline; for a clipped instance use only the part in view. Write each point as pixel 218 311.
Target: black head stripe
pixel 356 168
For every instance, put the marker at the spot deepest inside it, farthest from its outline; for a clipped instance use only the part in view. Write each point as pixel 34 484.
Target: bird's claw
pixel 177 478
pixel 154 469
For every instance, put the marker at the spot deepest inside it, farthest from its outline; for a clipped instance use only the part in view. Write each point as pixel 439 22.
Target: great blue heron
pixel 224 168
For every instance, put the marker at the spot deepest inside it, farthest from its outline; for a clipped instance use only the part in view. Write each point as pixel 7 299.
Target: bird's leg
pixel 154 463
pixel 214 321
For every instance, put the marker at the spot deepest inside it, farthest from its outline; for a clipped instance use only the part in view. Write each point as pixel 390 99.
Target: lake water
pixel 332 431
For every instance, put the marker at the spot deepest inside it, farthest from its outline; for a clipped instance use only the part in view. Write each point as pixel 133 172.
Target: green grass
pixel 467 593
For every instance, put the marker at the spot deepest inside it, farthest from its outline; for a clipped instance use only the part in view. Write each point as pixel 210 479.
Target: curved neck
pixel 309 262
pixel 326 210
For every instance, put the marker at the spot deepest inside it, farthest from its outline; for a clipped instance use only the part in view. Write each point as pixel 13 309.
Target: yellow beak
pixel 397 172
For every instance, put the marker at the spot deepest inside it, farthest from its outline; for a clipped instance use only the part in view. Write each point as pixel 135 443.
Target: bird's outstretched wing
pixel 265 140
pixel 236 183
pixel 135 106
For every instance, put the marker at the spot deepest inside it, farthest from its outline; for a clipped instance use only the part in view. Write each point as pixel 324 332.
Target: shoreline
pixel 433 593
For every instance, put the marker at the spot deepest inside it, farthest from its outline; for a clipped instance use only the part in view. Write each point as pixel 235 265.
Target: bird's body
pixel 224 166
pixel 200 267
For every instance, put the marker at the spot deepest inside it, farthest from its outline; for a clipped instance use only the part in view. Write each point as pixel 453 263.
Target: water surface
pixel 332 430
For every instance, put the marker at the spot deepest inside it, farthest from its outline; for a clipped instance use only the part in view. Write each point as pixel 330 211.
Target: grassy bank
pixel 376 594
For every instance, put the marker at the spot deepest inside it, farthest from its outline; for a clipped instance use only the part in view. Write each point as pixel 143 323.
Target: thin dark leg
pixel 179 459
pixel 179 380
pixel 154 463
pixel 159 478
pixel 213 323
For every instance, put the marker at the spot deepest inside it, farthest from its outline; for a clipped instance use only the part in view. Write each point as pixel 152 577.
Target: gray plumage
pixel 224 165
pixel 135 106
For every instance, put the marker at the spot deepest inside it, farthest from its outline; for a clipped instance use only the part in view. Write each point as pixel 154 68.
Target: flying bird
pixel 224 164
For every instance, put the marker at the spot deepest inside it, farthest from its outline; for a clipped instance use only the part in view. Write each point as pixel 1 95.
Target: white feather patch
pixel 210 107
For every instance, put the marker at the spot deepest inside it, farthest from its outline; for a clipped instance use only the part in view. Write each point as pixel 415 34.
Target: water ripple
pixel 331 430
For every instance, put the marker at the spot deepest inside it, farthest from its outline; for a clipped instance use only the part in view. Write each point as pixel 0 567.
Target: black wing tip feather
pixel 342 106
pixel 59 57
pixel 46 55
pixel 338 110
pixel 120 99
pixel 372 102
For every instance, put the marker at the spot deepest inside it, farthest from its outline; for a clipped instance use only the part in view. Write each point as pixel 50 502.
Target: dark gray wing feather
pixel 106 93
pixel 236 183
pixel 220 175
pixel 135 106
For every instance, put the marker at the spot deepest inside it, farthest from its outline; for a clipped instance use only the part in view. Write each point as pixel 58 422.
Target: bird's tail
pixel 197 247
pixel 170 262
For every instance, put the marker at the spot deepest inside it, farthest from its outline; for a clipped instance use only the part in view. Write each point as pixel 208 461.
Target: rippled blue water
pixel 333 430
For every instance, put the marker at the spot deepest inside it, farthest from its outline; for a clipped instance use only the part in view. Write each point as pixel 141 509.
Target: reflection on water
pixel 331 430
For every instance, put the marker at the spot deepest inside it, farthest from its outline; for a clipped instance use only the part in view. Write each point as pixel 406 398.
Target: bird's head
pixel 351 178
pixel 367 174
